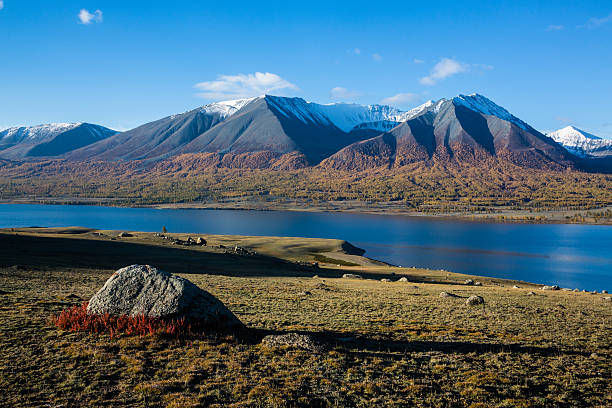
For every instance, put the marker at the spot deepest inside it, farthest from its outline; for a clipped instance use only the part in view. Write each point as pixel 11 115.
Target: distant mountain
pixel 582 143
pixel 272 124
pixel 49 140
pixel 466 128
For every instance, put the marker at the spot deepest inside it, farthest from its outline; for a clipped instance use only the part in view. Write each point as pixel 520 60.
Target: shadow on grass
pixel 37 252
pixel 364 346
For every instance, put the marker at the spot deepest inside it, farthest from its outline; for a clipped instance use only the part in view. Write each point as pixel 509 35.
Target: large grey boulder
pixel 142 290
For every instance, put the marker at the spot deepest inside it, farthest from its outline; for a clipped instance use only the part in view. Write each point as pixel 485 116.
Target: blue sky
pixel 124 63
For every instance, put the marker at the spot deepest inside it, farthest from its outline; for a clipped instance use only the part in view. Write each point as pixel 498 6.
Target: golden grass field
pixel 395 344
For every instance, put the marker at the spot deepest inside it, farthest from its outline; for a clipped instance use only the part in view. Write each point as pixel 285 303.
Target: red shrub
pixel 76 318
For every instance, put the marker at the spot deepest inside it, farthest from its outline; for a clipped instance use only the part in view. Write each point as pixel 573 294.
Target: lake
pixel 575 256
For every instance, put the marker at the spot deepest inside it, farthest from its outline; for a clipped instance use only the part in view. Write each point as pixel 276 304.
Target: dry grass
pixel 391 344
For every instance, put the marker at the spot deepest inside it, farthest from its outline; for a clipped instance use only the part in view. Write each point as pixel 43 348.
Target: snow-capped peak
pixel 37 132
pixel 581 143
pixel 485 106
pixel 226 109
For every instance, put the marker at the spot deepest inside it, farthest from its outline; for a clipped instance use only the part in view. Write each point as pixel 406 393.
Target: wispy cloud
pixel 1 4
pixel 377 57
pixel 85 17
pixel 418 61
pixel 401 99
pixel 343 93
pixel 445 68
pixel 243 86
pixel 356 51
pixel 555 27
pixel 597 22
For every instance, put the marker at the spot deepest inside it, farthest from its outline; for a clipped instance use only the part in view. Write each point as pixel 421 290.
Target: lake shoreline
pixel 522 216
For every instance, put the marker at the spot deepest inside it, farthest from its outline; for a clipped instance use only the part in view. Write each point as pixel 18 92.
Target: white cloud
pixel 377 57
pixel 85 17
pixel 443 69
pixel 1 4
pixel 343 93
pixel 596 22
pixel 418 61
pixel 243 86
pixel 401 99
pixel 555 27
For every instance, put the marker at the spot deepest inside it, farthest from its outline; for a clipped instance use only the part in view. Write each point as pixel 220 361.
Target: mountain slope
pixel 463 129
pixel 582 143
pixel 264 124
pixel 49 140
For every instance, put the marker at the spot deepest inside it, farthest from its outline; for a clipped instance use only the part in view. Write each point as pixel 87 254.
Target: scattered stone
pixel 468 282
pixel 515 287
pixel 594 355
pixel 474 300
pixel 302 341
pixel 584 290
pixel 142 290
pixel 608 299
pixel 477 284
pixel 603 292
pixel 351 276
pixel 447 294
pixel 530 293
pixel 566 289
pixel 385 280
pixel 124 235
pixel 403 279
pixel 322 286
pixel 305 293
pixel 315 277
pixel 200 241
pixel 576 290
pixel 553 287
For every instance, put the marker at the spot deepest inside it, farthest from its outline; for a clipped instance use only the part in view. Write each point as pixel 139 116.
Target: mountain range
pixel 281 132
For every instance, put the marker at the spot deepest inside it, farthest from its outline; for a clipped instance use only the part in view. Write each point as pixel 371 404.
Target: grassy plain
pixel 391 343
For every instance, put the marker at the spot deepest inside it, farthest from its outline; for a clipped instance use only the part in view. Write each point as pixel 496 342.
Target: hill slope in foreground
pixel 390 343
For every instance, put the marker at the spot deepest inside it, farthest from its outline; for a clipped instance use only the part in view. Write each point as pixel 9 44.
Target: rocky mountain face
pixel 49 140
pixel 463 129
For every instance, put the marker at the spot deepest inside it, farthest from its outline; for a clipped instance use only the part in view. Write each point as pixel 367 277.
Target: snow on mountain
pixel 345 116
pixel 226 109
pixel 484 105
pixel 581 143
pixel 34 133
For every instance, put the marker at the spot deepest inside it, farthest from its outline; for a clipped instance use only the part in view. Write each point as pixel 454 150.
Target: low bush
pixel 76 318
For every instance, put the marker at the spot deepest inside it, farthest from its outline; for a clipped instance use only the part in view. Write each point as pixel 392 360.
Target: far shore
pixel 494 214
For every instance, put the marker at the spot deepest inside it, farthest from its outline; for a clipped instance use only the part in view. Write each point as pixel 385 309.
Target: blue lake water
pixel 576 256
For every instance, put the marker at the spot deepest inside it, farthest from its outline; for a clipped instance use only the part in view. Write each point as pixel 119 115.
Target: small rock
pixel 584 290
pixel 468 282
pixel 124 235
pixel 305 293
pixel 515 287
pixel 385 280
pixel 351 276
pixel 608 299
pixel 576 290
pixel 403 279
pixel 302 341
pixel 604 292
pixel 474 300
pixel 552 287
pixel 530 293
pixel 200 241
pixel 477 284
pixel 594 355
pixel 446 294
pixel 315 277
